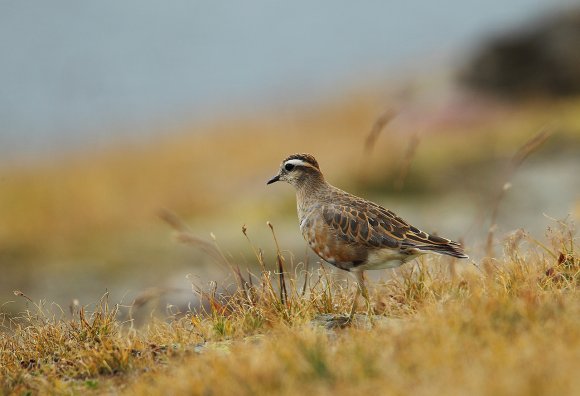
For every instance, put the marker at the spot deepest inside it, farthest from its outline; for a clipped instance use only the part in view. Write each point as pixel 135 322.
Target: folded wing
pixel 366 224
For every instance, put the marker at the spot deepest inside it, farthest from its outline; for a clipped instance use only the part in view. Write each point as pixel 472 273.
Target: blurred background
pixel 113 111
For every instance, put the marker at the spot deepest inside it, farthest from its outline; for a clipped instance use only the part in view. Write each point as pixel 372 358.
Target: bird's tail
pixel 422 241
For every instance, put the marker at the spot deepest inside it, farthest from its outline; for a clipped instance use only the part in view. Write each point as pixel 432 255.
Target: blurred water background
pixel 82 73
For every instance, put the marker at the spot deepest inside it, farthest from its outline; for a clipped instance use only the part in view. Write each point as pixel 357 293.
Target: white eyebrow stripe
pixel 296 162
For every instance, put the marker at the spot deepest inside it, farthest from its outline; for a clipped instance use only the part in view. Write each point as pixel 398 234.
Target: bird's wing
pixel 367 225
pixel 364 223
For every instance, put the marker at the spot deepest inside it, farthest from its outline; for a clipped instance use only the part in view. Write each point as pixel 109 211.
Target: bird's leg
pixel 361 289
pixel 360 275
pixel 354 301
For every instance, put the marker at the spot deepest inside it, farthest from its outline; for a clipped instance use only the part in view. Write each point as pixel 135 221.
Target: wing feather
pixel 358 227
pixel 363 223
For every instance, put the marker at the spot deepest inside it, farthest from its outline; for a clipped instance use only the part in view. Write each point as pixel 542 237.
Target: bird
pixel 350 232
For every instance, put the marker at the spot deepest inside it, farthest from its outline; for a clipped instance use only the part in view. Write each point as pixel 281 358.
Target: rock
pixel 360 321
pixel 541 59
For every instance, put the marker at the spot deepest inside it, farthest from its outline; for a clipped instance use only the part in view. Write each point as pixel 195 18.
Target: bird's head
pixel 298 170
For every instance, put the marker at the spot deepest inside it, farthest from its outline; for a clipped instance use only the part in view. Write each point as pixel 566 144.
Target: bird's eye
pixel 289 167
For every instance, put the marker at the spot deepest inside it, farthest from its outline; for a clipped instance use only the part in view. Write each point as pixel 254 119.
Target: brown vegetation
pixel 513 331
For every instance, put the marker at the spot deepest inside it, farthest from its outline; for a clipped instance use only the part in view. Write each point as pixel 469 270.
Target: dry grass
pixel 440 327
pixel 512 332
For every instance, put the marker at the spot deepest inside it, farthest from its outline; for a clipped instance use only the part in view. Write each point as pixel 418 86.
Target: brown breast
pixel 325 243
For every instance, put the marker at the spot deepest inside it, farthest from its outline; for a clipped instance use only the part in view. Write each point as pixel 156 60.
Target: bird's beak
pixel 273 180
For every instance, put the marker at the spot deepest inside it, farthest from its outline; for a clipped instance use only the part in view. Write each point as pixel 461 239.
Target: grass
pixel 506 324
pixel 512 330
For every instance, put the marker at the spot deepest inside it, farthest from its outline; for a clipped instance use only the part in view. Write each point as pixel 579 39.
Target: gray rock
pixel 540 59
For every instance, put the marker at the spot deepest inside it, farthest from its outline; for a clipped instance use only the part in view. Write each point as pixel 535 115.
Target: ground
pixel 508 326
